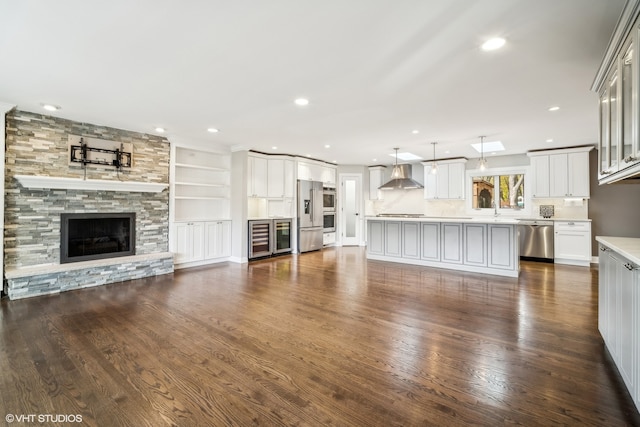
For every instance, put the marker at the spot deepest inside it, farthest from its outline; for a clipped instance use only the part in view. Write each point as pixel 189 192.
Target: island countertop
pixel 452 219
pixel 629 247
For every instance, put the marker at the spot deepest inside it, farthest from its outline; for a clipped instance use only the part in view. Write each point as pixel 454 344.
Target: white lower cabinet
pixel 470 246
pixel 200 242
pixel 188 241
pixel 618 315
pixel 430 241
pixel 217 243
pixel 475 244
pixel 572 242
pixel 393 239
pixel 501 252
pixel 375 237
pixel 411 239
pixel 451 243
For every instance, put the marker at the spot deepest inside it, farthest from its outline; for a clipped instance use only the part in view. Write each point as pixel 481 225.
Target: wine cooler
pixel 269 237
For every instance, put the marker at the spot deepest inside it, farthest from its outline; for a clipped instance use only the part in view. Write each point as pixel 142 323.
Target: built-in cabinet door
pixel 411 240
pixel 289 179
pixel 627 335
pixel 540 171
pixel 611 335
pixel 442 182
pixel 275 178
pixel 393 238
pixel 451 243
pixel 572 240
pixel 578 174
pixel 475 244
pixel 456 180
pixel 430 241
pixel 603 292
pixel 375 237
pixel 558 177
pixel 217 239
pixel 258 177
pixel 376 176
pixel 628 151
pixel 603 144
pixel 188 241
pixel 500 246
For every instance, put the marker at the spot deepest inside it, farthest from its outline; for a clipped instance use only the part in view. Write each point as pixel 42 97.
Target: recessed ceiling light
pixel 415 131
pixel 447 152
pixel 554 108
pixel 327 146
pixel 549 140
pixel 213 130
pixel 374 160
pixel 51 107
pixel 274 148
pixel 406 156
pixel 335 161
pixel 493 44
pixel 301 102
pixel 488 146
pixel 160 130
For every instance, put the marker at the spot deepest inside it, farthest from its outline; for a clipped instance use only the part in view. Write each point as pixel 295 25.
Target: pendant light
pixel 434 165
pixel 482 163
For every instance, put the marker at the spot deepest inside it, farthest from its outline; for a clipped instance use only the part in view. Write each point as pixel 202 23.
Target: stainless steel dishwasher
pixel 536 240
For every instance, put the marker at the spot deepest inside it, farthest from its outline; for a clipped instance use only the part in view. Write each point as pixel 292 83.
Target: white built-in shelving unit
pixel 199 213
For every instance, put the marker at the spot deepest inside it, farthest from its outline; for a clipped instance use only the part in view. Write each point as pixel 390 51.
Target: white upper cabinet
pixel 617 87
pixel 448 182
pixel 258 173
pixel 270 177
pixel 560 173
pixel 376 179
pixel 317 172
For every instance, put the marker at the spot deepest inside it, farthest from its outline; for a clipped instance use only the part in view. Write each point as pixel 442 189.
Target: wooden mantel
pixel 31 181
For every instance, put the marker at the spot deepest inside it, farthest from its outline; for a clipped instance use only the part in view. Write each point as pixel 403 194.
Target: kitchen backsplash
pixel 413 202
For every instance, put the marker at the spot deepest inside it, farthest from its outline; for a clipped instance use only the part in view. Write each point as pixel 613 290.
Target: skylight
pixel 406 156
pixel 489 146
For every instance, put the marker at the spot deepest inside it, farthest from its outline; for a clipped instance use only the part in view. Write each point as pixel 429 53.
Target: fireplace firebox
pixel 89 236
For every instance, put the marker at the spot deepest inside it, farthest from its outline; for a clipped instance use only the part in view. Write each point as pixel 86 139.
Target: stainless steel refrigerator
pixel 310 215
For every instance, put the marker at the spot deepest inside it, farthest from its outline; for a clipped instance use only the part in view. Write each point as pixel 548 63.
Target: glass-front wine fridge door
pixel 259 238
pixel 282 236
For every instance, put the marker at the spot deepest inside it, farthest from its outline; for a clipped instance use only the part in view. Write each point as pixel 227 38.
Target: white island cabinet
pixel 475 245
pixel 619 306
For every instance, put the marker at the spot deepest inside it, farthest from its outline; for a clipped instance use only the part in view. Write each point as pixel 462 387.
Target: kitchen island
pixel 481 245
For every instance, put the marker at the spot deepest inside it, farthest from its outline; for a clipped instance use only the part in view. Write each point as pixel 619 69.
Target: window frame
pixel 496 172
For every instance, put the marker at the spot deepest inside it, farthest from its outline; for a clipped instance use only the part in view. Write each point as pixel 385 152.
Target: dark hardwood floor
pixel 324 338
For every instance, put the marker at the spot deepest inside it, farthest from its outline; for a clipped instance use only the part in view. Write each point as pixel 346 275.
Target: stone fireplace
pixel 41 185
pixel 88 236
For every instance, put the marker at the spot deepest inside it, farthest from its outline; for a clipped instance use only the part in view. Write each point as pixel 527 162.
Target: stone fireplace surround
pixel 36 150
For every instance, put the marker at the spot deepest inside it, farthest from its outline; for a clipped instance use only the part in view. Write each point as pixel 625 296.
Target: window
pixel 498 191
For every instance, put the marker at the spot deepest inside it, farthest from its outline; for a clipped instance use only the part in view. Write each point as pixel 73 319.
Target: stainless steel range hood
pixel 401 179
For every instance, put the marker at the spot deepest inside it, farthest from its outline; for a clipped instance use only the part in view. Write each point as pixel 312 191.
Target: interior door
pixel 351 218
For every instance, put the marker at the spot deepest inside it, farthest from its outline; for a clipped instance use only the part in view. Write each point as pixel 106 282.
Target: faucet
pixel 495 209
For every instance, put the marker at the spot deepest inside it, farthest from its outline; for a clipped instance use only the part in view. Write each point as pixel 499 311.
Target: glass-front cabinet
pixel 619 116
pixel 627 112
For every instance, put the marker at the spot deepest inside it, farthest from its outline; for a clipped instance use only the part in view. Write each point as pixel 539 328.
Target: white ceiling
pixel 373 70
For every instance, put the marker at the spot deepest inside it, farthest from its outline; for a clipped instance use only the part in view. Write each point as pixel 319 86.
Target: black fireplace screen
pixel 89 236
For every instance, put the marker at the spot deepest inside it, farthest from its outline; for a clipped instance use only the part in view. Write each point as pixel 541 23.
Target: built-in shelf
pixel 199 198
pixel 33 181
pixel 208 168
pixel 200 184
